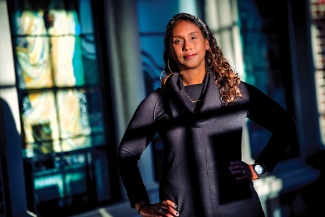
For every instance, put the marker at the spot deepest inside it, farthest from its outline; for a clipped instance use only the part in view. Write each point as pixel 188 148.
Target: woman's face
pixel 188 46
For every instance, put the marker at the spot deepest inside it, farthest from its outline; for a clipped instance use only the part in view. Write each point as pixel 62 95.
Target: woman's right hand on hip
pixel 165 208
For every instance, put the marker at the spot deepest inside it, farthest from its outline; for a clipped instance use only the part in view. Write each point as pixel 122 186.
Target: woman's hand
pixel 242 170
pixel 165 208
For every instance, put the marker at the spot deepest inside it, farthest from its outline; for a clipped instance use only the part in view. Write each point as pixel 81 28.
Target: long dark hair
pixel 225 77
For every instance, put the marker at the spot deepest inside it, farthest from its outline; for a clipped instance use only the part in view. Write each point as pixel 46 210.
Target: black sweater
pixel 199 143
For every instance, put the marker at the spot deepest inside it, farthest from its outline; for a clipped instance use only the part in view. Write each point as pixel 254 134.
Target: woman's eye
pixel 177 41
pixel 193 37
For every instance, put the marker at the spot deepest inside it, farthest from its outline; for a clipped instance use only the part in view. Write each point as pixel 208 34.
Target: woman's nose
pixel 186 46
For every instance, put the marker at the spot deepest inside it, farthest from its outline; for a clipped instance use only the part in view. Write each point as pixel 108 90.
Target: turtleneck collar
pixel 180 104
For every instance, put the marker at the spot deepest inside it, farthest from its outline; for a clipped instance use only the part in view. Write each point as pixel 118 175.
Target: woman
pixel 199 113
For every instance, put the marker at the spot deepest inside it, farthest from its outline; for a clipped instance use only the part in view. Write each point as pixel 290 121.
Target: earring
pixel 162 75
pixel 210 65
pixel 170 69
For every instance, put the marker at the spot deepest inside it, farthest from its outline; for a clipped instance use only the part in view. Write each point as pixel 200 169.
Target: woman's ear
pixel 207 46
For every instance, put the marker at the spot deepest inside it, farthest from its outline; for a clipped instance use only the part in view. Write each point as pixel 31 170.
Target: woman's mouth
pixel 190 56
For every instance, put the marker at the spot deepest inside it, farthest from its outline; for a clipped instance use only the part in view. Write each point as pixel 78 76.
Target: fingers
pixel 164 208
pixel 169 208
pixel 240 170
pixel 238 167
pixel 169 202
pixel 236 162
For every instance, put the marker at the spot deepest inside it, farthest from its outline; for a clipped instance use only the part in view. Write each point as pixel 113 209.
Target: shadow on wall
pixel 313 194
pixel 309 200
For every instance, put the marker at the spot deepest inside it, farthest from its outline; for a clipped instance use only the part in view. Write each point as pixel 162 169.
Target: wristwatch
pixel 259 170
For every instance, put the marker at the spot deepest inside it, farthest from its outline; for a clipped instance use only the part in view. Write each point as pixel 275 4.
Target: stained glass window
pixel 58 76
pixel 61 105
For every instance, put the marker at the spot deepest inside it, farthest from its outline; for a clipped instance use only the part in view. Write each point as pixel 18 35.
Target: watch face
pixel 259 169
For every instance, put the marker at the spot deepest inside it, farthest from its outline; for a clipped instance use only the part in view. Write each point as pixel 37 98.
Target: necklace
pixel 193 101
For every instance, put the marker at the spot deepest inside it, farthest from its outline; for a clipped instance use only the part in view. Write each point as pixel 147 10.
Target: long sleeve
pixel 138 135
pixel 266 112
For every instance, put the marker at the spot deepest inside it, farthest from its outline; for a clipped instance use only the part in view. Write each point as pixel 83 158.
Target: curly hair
pixel 225 77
